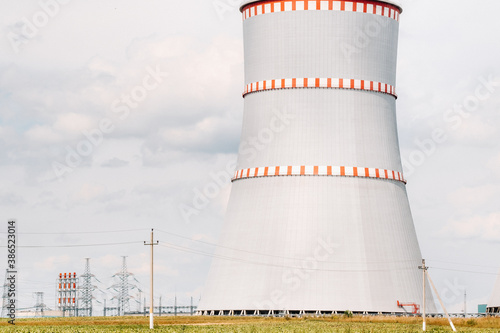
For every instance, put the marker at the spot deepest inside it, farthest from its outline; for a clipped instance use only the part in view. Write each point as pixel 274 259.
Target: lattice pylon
pixel 123 288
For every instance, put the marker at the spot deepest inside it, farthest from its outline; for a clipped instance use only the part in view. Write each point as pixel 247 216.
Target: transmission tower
pixel 40 306
pixel 5 296
pixel 87 288
pixel 123 288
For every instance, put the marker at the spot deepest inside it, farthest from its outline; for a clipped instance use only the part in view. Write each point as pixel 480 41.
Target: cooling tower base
pixel 298 313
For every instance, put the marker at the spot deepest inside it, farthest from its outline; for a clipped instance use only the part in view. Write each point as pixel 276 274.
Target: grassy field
pixel 247 324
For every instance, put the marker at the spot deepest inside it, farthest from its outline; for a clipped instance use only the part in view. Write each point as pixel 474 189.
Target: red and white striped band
pixel 320 83
pixel 309 170
pixel 359 6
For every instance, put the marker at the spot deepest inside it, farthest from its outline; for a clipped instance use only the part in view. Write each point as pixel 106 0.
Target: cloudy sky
pixel 116 115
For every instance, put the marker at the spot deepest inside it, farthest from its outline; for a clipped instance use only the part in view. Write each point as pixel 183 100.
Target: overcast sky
pixel 115 115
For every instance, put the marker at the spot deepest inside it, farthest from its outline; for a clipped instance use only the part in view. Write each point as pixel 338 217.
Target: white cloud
pixel 472 198
pixel 476 131
pixel 51 264
pixel 89 192
pixel 73 123
pixel 486 228
pixel 42 135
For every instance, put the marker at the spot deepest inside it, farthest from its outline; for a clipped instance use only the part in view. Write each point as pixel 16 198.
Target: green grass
pixel 247 325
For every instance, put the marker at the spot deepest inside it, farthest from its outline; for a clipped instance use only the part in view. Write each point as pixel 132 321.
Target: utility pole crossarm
pixel 151 305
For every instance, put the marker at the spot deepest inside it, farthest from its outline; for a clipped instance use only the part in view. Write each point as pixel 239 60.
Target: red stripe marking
pixel 307 83
pixel 316 170
pixel 248 173
pixel 386 8
pixel 256 172
pixel 377 173
pixel 289 172
pixel 329 171
pixel 266 171
pixel 302 170
pixel 393 175
pixel 277 171
pixel 367 172
pixel 355 171
pixel 386 174
pixel 354 6
pixel 342 171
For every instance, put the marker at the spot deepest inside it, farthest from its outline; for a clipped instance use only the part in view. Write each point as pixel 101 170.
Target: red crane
pixel 416 307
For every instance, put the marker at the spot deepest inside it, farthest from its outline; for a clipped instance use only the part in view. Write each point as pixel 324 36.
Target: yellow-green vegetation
pixel 248 324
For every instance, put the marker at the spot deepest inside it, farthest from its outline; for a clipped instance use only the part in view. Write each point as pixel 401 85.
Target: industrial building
pixel 318 220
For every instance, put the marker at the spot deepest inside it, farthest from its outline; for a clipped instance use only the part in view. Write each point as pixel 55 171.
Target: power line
pixel 464 271
pixel 464 264
pixel 184 249
pixel 76 232
pixel 271 255
pixel 189 250
pixel 79 245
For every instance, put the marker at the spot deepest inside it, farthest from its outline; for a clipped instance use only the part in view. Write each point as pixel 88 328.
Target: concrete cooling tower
pixel 494 302
pixel 318 219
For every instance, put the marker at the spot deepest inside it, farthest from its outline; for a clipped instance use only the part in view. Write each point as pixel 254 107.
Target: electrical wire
pixel 463 271
pixel 76 245
pixel 194 251
pixel 463 264
pixel 189 250
pixel 184 249
pixel 266 254
pixel 77 232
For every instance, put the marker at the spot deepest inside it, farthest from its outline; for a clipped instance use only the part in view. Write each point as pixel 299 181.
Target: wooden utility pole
pixel 424 270
pixel 441 302
pixel 151 303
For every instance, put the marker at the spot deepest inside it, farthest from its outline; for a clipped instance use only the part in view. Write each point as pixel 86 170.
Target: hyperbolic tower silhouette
pixel 493 306
pixel 318 218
